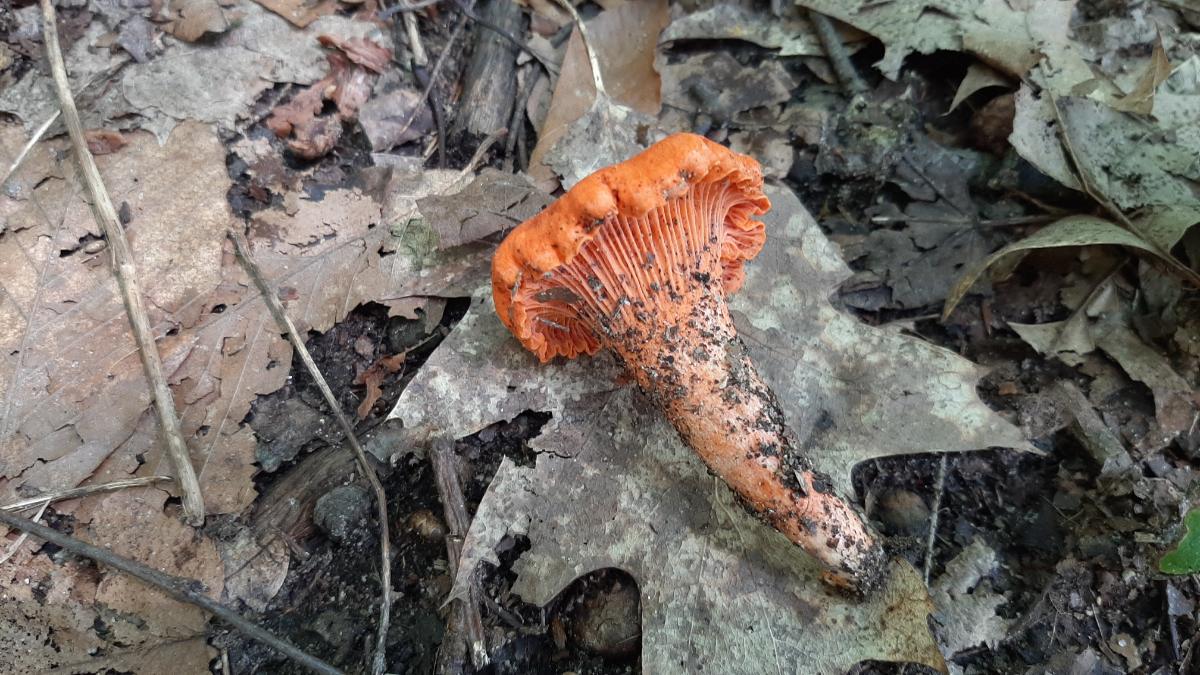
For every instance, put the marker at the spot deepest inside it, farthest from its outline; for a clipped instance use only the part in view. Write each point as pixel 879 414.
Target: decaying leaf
pixel 353 67
pixel 300 13
pixel 791 33
pixel 1140 99
pixel 978 78
pixel 493 202
pixel 372 377
pixel 1069 231
pixel 216 82
pixel 197 18
pixel 74 405
pixel 624 40
pixel 718 85
pixel 392 118
pixel 848 390
pixel 966 611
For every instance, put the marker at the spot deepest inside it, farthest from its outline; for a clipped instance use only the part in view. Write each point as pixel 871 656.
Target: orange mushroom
pixel 637 258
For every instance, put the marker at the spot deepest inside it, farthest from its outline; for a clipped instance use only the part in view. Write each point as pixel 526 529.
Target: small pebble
pixel 902 512
pixel 341 510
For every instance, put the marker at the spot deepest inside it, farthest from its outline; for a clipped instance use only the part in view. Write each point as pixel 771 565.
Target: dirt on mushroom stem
pixel 651 289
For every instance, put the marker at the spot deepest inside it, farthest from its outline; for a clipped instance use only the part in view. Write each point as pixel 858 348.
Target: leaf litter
pixel 75 408
pixel 409 231
pixel 846 388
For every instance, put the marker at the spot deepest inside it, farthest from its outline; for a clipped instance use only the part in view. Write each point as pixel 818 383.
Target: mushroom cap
pixel 666 171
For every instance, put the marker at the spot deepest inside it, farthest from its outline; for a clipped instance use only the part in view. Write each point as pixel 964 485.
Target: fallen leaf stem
pixel 271 298
pixel 125 272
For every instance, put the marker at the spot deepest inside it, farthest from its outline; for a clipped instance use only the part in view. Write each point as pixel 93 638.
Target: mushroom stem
pixel 732 420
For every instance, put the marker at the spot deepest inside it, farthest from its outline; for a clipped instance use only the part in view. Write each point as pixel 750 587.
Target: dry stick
pixel 83 491
pixel 242 247
pixel 593 62
pixel 183 590
pixel 458 521
pixel 126 273
pixel 419 57
pixel 1085 181
pixel 933 517
pixel 835 51
pixel 433 75
pixel 12 550
pixel 37 136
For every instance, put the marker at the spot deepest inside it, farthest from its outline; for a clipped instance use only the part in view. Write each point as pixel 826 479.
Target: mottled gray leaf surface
pixel 720 592
pixel 614 486
pixel 791 34
pixel 492 202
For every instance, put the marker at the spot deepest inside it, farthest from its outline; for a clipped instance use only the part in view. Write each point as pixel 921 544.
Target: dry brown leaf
pixel 352 73
pixel 300 13
pixel 197 18
pixel 625 41
pixel 1141 99
pixel 79 618
pixel 366 53
pixel 373 377
pixel 73 402
pixel 104 141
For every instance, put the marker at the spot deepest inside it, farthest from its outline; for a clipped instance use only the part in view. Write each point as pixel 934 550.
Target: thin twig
pixel 480 154
pixel 433 75
pixel 835 51
pixel 269 296
pixel 458 521
pixel 83 491
pixel 183 590
pixel 33 140
pixel 406 6
pixel 126 273
pixel 597 79
pixel 931 539
pixel 994 222
pixel 12 550
pixel 419 57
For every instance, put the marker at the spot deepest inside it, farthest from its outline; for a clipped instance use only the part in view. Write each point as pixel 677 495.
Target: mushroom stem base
pixel 699 373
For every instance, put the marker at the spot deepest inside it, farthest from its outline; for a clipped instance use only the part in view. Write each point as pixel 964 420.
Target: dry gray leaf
pixel 494 201
pixel 716 84
pixel 791 34
pixel 617 488
pixel 614 487
pixel 216 82
pixel 965 610
pixel 608 133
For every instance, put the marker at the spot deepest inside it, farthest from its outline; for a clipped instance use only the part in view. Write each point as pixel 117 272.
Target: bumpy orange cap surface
pixel 667 171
